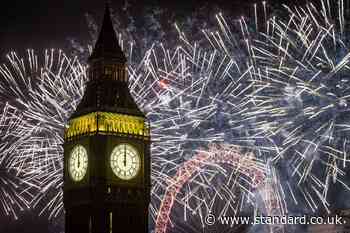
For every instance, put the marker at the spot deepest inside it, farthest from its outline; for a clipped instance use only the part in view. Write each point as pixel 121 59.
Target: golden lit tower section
pixel 107 149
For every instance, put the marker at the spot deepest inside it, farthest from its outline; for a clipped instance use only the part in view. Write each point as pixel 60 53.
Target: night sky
pixel 42 24
pixel 45 24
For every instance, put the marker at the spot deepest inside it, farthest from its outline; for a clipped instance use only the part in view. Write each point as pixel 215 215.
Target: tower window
pixel 125 75
pixel 116 75
pixel 110 222
pixel 108 71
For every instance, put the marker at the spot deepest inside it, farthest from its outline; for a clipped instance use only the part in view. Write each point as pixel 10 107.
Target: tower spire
pixel 102 195
pixel 107 45
pixel 107 89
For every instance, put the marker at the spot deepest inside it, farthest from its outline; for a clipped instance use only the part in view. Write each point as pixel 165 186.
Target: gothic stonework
pixel 107 149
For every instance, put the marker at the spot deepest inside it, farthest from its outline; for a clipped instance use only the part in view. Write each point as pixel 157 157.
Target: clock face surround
pixel 78 163
pixel 125 161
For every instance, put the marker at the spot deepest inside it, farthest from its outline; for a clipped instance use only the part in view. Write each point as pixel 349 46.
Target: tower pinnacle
pixel 107 89
pixel 107 46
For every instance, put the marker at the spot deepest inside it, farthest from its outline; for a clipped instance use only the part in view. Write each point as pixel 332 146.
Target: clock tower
pixel 107 149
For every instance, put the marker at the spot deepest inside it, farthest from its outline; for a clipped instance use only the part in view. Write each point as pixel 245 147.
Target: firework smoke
pixel 278 89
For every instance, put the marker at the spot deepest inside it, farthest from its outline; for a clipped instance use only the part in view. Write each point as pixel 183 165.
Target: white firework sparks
pixel 282 94
pixel 40 94
pixel 302 103
pixel 183 91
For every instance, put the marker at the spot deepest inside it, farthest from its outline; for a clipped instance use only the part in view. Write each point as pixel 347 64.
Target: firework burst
pixel 281 94
pixel 39 94
pixel 183 91
pixel 302 103
pixel 17 190
pixel 193 95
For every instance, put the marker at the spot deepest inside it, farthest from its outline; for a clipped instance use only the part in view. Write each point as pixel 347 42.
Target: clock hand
pixel 78 160
pixel 76 163
pixel 124 156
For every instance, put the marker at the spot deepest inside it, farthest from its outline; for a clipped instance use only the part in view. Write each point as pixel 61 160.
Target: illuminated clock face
pixel 78 163
pixel 125 161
